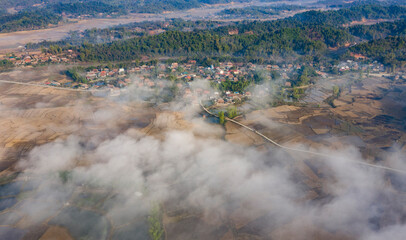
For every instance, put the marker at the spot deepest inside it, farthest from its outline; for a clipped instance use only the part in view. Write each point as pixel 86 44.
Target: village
pixel 227 78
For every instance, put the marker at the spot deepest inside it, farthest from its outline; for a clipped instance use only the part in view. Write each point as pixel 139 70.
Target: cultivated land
pixel 368 115
pixel 33 116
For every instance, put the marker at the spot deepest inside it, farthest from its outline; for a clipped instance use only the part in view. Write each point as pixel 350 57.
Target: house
pixel 91 75
pixel 174 65
pixel 121 84
pixel 233 32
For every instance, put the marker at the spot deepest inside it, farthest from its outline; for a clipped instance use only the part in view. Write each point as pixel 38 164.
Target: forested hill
pixel 380 30
pixel 390 51
pixel 357 13
pixel 176 43
pixel 308 34
pixel 150 6
pixel 334 19
pixel 50 11
pixel 27 20
pixel 304 34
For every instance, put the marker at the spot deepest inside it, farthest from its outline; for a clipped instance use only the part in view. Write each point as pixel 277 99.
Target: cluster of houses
pixel 186 72
pixel 26 58
pixel 350 65
pixel 104 73
pixel 150 76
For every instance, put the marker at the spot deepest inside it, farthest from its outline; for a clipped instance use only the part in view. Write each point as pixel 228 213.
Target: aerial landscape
pixel 203 119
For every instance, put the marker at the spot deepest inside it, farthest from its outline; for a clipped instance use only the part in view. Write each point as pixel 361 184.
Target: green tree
pixel 222 118
pixel 336 91
pixel 295 94
pixel 232 112
pixel 275 75
pixel 155 223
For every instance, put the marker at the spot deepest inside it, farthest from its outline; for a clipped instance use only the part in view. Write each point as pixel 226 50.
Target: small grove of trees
pixel 275 75
pixel 304 76
pixel 232 112
pixel 335 95
pixel 76 77
pixel 27 20
pixel 4 64
pixel 155 223
pixel 65 176
pixel 297 93
pixel 336 91
pixel 222 119
pixel 391 51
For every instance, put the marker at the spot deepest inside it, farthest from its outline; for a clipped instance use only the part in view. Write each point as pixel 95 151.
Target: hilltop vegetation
pixel 346 3
pixel 309 33
pixel 39 14
pixel 36 14
pixel 347 15
pixel 390 50
pixel 175 43
pixel 151 6
pixel 380 30
pixel 27 20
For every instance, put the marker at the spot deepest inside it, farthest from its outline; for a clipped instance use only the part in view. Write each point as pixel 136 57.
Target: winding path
pixel 302 150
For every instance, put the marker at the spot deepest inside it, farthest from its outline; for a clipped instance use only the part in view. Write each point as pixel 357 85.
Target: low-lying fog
pixel 103 184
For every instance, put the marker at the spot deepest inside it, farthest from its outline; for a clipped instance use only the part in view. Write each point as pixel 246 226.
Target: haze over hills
pixel 203 119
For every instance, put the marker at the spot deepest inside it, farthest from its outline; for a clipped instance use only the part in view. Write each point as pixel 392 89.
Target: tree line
pixel 390 50
pixel 27 20
pixel 255 40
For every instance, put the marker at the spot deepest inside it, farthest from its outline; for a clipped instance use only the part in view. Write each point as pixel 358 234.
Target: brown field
pixel 32 116
pixel 370 118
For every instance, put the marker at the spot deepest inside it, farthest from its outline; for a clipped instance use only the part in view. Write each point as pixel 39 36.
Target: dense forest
pixel 305 35
pixel 330 18
pixel 27 20
pixel 175 43
pixel 347 15
pixel 390 50
pixel 346 3
pixel 380 30
pixel 49 12
pixel 36 14
pixel 150 6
